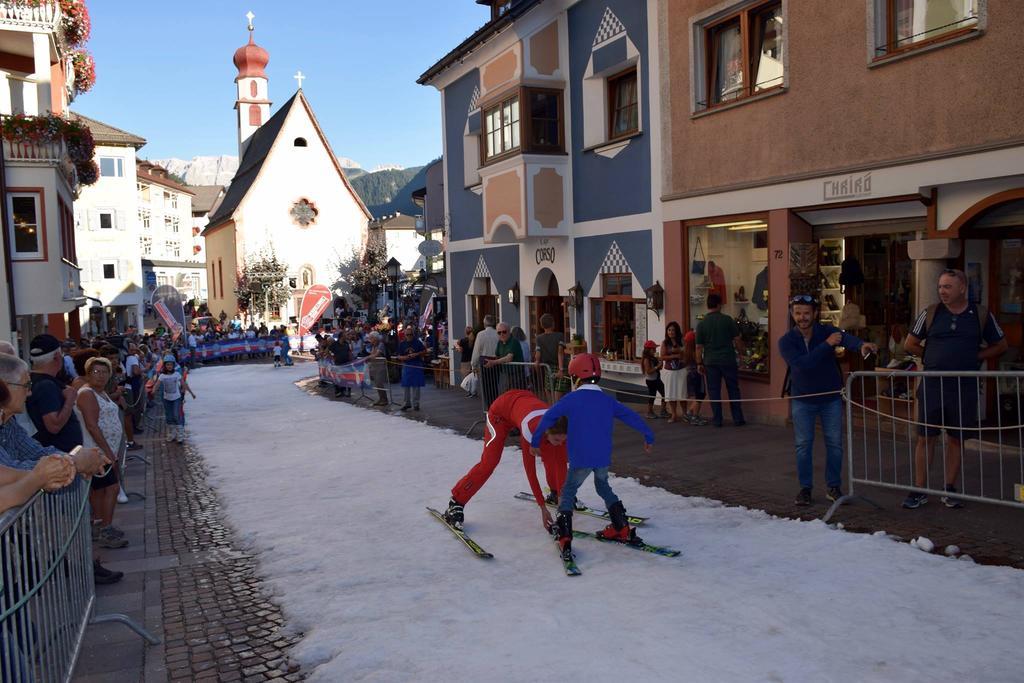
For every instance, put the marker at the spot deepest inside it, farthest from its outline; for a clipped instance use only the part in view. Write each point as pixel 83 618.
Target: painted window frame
pixel 883 27
pixel 612 84
pixel 118 163
pixel 514 127
pixel 600 326
pixel 703 57
pixel 39 254
pixel 68 243
pixel 100 213
pixel 524 124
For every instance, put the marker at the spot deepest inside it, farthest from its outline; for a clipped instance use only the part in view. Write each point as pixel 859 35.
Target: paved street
pixel 187 582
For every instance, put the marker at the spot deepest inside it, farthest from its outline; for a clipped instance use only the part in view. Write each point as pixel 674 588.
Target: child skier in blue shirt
pixel 591 413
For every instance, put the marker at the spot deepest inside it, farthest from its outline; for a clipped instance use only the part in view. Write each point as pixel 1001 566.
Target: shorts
pixel 695 385
pixel 947 405
pixel 109 479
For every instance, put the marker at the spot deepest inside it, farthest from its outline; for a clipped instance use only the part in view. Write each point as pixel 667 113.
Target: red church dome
pixel 250 60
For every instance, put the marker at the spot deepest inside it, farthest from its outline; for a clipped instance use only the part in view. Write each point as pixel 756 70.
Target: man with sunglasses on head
pixel 815 382
pixel 952 335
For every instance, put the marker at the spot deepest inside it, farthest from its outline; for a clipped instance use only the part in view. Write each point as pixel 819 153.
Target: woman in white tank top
pixel 102 428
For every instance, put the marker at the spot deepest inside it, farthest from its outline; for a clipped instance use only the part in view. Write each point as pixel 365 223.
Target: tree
pixel 363 272
pixel 262 283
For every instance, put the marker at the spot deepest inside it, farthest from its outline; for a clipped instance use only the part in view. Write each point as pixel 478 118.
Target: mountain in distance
pixel 384 191
pixel 210 170
pixel 389 191
pixel 219 170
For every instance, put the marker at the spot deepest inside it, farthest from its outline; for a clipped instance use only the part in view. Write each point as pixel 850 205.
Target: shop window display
pixel 617 318
pixel 731 260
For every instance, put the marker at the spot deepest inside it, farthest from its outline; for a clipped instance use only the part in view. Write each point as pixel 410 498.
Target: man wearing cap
pixel 51 405
pixel 815 382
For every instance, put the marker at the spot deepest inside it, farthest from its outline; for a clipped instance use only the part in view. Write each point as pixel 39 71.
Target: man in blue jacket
pixel 815 382
pixel 591 413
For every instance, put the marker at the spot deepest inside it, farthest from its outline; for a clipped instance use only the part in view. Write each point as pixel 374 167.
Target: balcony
pixel 19 16
pixel 52 153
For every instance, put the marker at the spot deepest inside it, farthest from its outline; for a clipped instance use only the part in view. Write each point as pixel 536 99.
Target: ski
pixel 461 535
pixel 569 564
pixel 600 514
pixel 642 545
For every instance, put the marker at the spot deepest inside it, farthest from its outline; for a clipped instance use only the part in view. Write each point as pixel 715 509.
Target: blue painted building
pixel 551 155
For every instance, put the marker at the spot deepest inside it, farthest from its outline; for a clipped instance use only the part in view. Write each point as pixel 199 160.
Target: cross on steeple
pixel 250 16
pixel 299 77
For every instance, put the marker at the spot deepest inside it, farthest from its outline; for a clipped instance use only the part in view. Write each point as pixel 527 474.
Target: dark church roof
pixel 249 167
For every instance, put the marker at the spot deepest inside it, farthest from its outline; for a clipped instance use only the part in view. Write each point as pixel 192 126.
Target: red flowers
pixel 50 128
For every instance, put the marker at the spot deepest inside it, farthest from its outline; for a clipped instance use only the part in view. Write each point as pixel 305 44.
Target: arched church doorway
pixel 546 299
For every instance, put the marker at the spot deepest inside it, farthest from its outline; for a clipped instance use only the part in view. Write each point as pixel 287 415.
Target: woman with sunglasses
pixel 102 428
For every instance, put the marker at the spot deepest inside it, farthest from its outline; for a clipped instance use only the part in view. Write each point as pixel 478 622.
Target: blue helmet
pixel 169 359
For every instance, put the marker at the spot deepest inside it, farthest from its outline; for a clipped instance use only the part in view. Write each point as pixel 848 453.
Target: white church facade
pixel 289 194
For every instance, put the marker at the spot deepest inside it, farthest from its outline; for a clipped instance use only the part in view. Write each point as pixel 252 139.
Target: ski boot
pixel 454 514
pixel 619 529
pixel 563 531
pixel 551 498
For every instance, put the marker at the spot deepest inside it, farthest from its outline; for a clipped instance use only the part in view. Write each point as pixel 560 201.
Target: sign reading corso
pixel 850 187
pixel 545 254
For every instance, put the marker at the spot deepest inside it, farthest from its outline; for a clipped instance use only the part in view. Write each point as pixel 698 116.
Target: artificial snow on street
pixel 332 499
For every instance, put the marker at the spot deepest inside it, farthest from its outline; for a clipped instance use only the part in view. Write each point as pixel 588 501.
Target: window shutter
pixel 94 219
pixel 124 270
pixel 97 271
pixel 120 220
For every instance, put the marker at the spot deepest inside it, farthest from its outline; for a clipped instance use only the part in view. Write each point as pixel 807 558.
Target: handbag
pixel 697 266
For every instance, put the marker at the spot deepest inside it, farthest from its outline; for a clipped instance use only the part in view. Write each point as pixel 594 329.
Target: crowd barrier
pixel 362 374
pixel 888 414
pixel 494 381
pixel 47 595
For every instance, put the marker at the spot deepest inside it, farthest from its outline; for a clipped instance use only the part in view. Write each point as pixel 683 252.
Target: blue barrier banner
pixel 350 375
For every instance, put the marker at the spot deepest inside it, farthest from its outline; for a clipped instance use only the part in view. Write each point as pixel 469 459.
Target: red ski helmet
pixel 585 366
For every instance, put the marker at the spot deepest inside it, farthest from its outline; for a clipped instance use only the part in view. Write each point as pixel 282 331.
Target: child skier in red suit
pixel 516 409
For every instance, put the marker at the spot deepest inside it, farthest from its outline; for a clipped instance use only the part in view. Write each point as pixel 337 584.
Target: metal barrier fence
pixel 364 375
pixel 497 379
pixel 47 595
pixel 921 431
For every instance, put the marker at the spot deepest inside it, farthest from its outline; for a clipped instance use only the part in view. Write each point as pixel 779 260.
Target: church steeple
pixel 253 102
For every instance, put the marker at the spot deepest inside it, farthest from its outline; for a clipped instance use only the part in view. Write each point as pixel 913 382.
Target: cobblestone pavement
pixel 187 582
pixel 755 467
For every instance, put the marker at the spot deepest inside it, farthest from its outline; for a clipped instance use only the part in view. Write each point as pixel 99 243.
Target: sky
pixel 164 71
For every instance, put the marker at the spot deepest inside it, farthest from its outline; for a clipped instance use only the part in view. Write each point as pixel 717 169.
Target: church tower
pixel 253 103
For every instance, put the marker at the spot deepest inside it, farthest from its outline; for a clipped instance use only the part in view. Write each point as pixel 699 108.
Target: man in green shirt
pixel 509 350
pixel 718 339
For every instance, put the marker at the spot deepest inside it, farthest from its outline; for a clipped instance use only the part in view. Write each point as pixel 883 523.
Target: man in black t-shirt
pixel 51 405
pixel 949 336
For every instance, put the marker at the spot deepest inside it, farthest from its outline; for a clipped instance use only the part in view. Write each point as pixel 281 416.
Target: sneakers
pixel 803 498
pixel 951 502
pixel 696 419
pixel 454 515
pixel 914 500
pixel 103 576
pixel 132 446
pixel 834 493
pixel 407 407
pixel 577 504
pixel 122 497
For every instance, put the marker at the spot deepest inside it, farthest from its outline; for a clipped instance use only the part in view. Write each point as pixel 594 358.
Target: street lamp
pixel 394 271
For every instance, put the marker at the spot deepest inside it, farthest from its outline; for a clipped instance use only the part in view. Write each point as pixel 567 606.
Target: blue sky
pixel 164 71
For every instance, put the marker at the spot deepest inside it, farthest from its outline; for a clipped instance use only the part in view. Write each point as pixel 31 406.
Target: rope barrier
pixel 908 421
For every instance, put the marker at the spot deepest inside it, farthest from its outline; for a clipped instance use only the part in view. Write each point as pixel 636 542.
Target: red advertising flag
pixel 314 302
